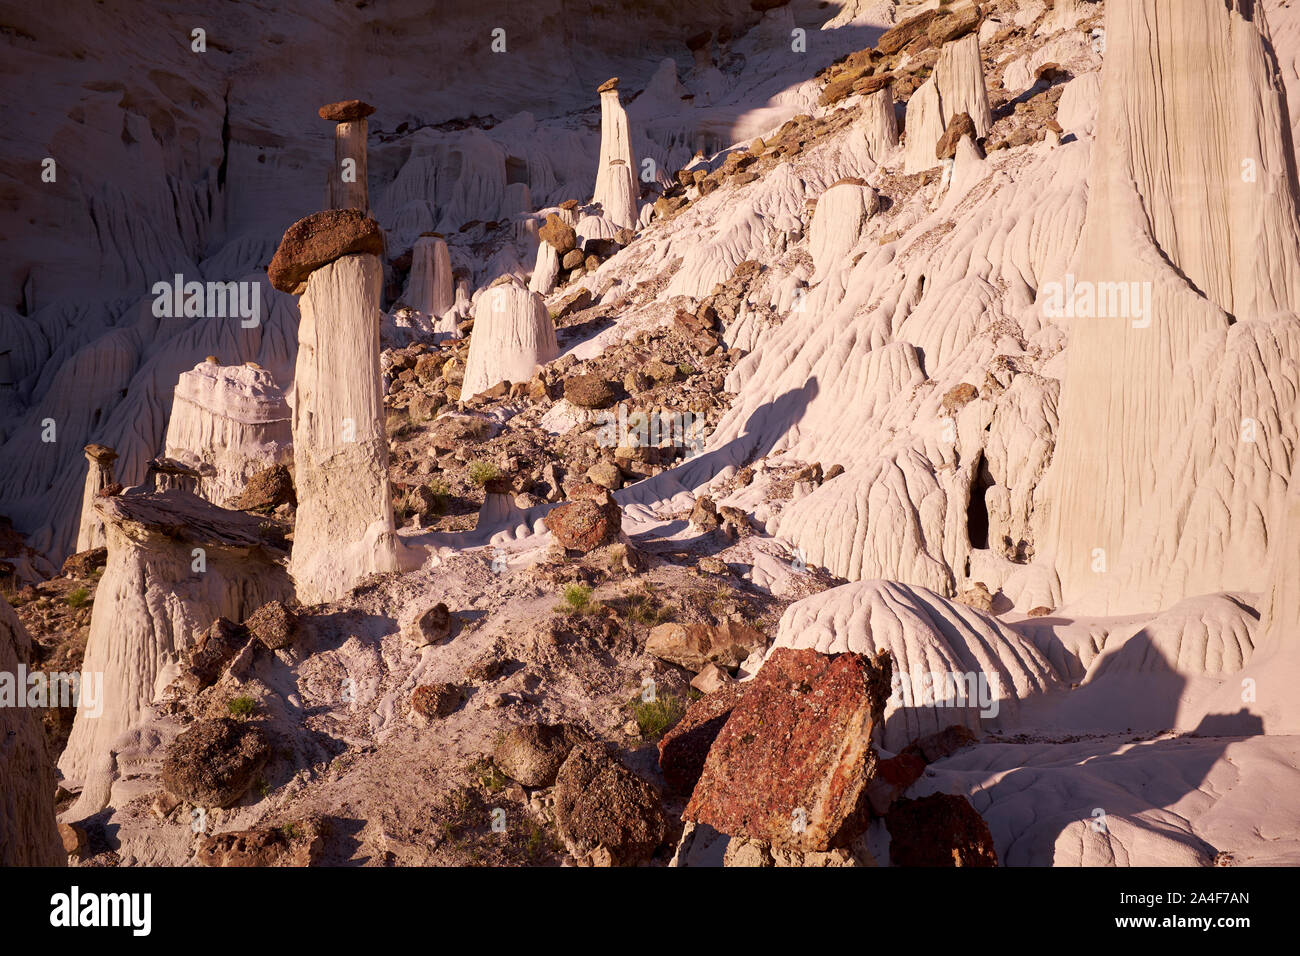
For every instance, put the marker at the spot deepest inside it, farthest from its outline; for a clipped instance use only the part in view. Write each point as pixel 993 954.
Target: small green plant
pixel 78 597
pixel 290 831
pixel 490 778
pixel 440 495
pixel 686 370
pixel 481 472
pixel 655 717
pixel 242 707
pixel 263 788
pixel 577 597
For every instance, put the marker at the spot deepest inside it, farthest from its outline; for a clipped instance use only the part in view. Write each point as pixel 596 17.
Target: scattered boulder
pixel 978 597
pixel 954 26
pixel 942 829
pixel 74 839
pixel 958 396
pixel 435 701
pixel 704 514
pixel 792 765
pixel 694 646
pixel 587 523
pixel 294 844
pixel 214 762
pixel 895 38
pixel 83 563
pixel 266 491
pixel 711 678
pixel 319 239
pixel 601 805
pixel 960 125
pixel 561 236
pixel 274 624
pixel 213 650
pixel 532 754
pixel 589 391
pixel 432 626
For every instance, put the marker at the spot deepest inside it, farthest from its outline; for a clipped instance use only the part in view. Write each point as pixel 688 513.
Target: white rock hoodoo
pixel 513 334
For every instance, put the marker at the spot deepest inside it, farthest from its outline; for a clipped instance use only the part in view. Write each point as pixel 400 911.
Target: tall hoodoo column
pixel 879 124
pixel 513 334
pixel 1179 326
pixel 98 477
pixel 613 184
pixel 344 528
pixel 349 188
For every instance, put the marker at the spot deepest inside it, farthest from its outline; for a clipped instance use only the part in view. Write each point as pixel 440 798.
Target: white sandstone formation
pixel 430 290
pixel 956 86
pixel 233 419
pixel 1176 433
pixel 513 335
pixel 344 527
pixel 99 476
pixel 931 640
pixel 837 224
pixel 616 181
pixel 879 123
pixel 175 564
pixel 28 834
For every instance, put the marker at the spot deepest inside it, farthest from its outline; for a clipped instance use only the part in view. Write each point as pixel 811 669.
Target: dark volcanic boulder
pixel 532 753
pixel 942 829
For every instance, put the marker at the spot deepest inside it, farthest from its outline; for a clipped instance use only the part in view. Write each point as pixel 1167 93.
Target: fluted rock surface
pixel 513 334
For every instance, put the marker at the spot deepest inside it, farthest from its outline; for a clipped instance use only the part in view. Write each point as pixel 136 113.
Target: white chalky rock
pixel 513 334
pixel 99 475
pixel 612 183
pixel 1176 436
pixel 842 213
pixel 233 418
pixel 929 637
pixel 430 289
pixel 344 527
pixel 956 86
pixel 879 123
pixel 175 564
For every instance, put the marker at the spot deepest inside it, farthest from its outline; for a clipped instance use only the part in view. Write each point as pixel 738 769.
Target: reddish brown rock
pixel 81 564
pixel 683 749
pixel 274 624
pixel 586 523
pixel 959 395
pixel 942 829
pixel 892 778
pixel 345 111
pixel 945 743
pixel 610 84
pixel 266 491
pixel 895 38
pixel 319 239
pixel 294 844
pixel 559 234
pixel 959 126
pixel 212 651
pixel 589 391
pixel 792 765
pixel 214 762
pixel 602 805
pixel 954 26
pixel 437 700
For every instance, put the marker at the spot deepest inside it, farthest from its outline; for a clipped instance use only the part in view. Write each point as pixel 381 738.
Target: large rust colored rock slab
pixel 317 240
pixel 792 765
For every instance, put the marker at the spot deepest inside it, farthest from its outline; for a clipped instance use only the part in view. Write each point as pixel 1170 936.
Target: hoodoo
pixel 348 181
pixel 616 184
pixel 956 86
pixel 430 290
pixel 513 334
pixel 232 419
pixel 175 564
pixel 98 477
pixel 344 528
pixel 1186 279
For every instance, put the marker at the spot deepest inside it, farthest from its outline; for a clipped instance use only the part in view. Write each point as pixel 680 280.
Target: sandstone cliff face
pixel 28 832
